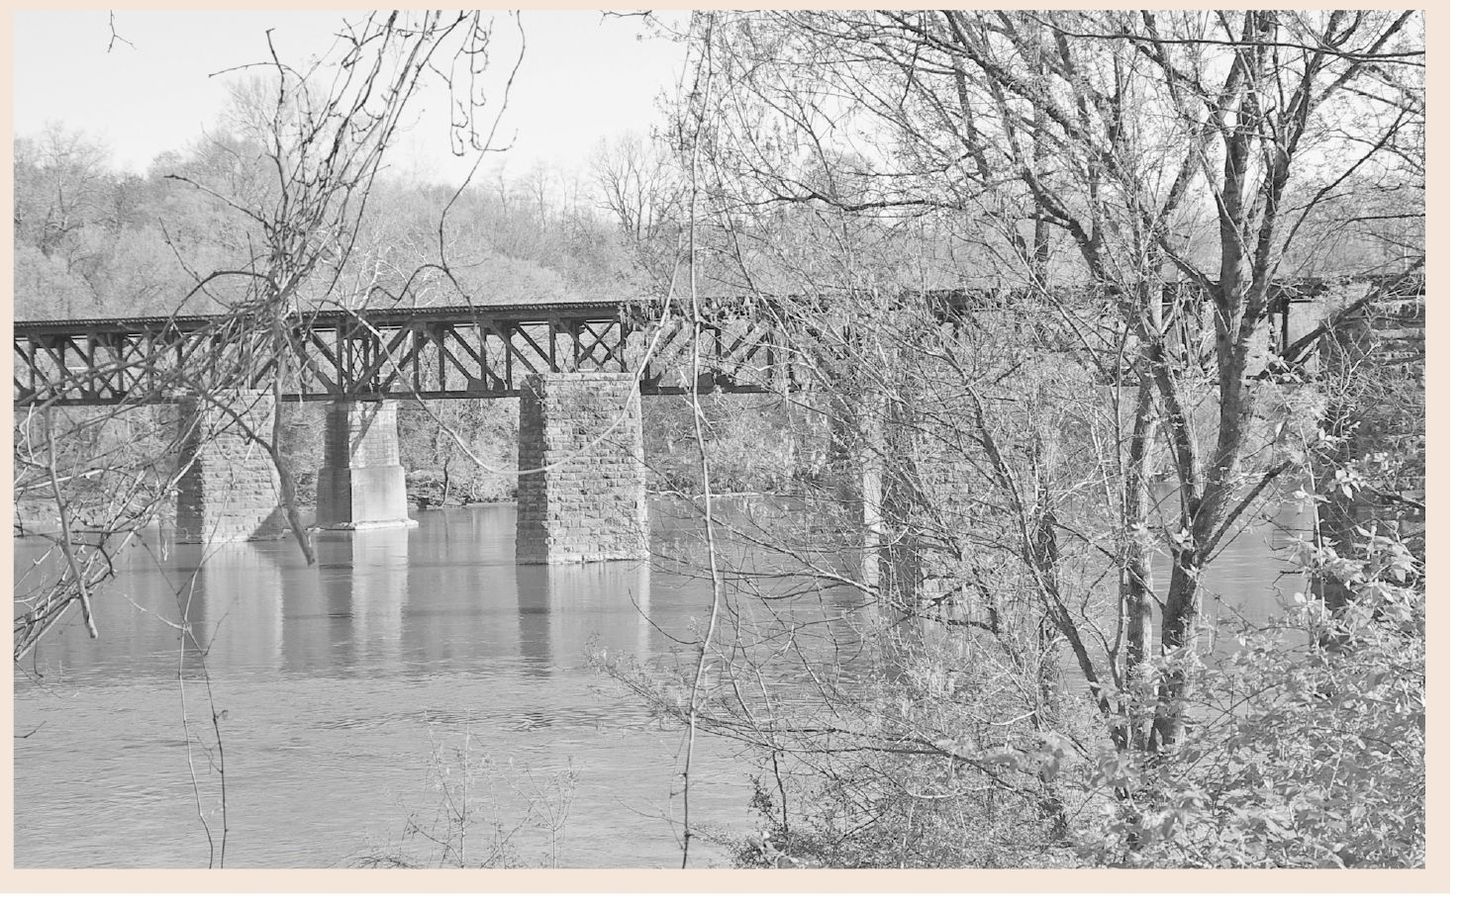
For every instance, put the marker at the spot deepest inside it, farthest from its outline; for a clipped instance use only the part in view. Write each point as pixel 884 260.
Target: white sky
pixel 583 77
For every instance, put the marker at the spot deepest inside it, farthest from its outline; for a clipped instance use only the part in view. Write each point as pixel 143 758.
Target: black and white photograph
pixel 735 440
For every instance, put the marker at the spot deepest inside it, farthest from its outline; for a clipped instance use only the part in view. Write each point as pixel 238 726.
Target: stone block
pixel 229 489
pixel 582 495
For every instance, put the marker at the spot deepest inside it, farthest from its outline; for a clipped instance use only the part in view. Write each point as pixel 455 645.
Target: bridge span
pixel 578 369
pixel 395 353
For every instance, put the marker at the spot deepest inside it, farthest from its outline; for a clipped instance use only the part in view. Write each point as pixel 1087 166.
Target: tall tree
pixel 1132 189
pixel 643 190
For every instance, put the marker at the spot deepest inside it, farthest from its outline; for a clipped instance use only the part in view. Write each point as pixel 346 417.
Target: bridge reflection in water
pixel 340 682
pixel 363 589
pixel 223 588
pixel 391 599
pixel 565 611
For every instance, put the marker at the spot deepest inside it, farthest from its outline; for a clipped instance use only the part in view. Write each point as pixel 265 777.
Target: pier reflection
pixel 445 595
pixel 230 599
pixel 460 591
pixel 564 608
pixel 363 590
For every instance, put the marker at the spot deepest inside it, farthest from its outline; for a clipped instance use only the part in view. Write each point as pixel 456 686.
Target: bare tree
pixel 1119 197
pixel 642 188
pixel 309 147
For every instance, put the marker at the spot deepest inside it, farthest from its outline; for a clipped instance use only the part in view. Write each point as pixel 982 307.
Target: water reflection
pixel 564 608
pixel 460 591
pixel 227 599
pixel 447 594
pixel 1259 565
pixel 363 589
pixel 341 678
pixel 230 601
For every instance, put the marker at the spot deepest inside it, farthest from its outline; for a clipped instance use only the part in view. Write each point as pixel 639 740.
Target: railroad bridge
pixel 578 370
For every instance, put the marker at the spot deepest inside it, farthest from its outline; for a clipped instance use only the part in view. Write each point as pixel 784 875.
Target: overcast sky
pixel 584 77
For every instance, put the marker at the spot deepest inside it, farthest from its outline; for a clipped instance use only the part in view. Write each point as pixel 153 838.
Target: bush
pixel 1305 751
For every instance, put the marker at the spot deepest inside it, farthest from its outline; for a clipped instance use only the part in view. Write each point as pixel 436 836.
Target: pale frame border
pixel 1433 878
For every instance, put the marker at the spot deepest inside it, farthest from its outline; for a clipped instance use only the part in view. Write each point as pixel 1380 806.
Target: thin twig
pixel 698 418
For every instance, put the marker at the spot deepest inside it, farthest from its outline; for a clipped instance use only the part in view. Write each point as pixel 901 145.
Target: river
pixel 352 692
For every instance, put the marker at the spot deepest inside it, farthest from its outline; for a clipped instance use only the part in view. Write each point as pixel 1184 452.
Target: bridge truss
pixel 444 352
pixel 742 345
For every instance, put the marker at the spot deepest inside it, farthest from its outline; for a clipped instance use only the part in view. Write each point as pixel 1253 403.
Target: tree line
pixel 93 241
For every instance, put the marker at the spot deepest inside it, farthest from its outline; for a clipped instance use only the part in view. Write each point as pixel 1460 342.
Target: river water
pixel 352 692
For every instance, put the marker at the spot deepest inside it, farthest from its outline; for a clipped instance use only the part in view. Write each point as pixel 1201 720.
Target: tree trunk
pixel 1180 610
pixel 1135 580
pixel 1048 712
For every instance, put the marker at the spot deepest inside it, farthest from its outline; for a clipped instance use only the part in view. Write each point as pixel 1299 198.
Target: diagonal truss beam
pixel 451 352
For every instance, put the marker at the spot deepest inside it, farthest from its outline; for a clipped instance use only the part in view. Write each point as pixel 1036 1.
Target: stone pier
pixel 229 489
pixel 362 483
pixel 583 496
pixel 857 465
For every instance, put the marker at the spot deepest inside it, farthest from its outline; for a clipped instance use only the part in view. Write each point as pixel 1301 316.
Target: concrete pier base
pixel 229 489
pixel 583 496
pixel 873 465
pixel 362 483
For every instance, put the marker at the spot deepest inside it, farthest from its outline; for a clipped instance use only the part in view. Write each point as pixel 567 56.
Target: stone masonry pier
pixel 229 489
pixel 581 496
pixel 581 443
pixel 362 483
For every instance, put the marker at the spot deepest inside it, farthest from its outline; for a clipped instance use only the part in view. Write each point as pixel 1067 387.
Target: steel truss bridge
pixel 427 353
pixel 481 351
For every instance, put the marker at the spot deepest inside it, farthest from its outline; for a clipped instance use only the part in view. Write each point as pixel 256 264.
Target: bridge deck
pixel 438 352
pixel 481 351
pixel 386 316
